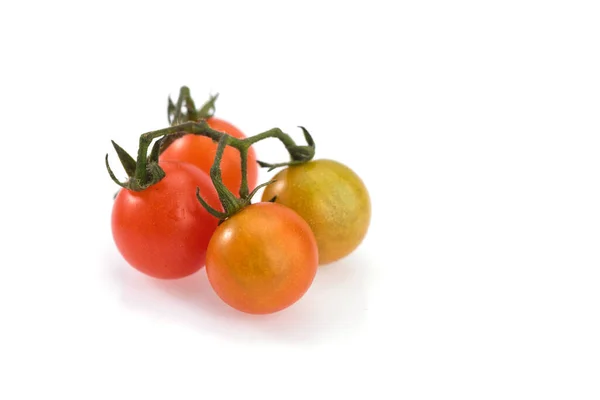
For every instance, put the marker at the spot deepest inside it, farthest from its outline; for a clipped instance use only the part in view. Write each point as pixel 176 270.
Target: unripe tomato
pixel 331 198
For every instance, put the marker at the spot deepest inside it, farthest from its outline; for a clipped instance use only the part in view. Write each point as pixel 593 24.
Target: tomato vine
pixel 145 171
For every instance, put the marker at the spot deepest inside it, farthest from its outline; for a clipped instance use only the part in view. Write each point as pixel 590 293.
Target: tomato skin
pixel 200 151
pixel 331 198
pixel 262 259
pixel 163 231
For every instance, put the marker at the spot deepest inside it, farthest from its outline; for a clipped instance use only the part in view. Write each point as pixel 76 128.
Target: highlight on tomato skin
pixel 162 230
pixel 262 259
pixel 200 151
pixel 331 198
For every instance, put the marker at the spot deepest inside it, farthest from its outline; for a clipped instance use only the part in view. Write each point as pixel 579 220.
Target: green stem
pixel 244 164
pixel 147 170
pixel 275 132
pixel 231 204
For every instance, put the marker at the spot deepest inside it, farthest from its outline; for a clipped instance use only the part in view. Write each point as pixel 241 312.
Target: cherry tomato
pixel 163 231
pixel 262 259
pixel 200 151
pixel 331 198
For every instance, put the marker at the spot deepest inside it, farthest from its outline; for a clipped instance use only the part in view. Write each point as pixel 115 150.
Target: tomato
pixel 262 259
pixel 163 231
pixel 200 151
pixel 331 198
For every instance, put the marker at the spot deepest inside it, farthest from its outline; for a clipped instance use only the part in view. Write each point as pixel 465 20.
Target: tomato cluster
pixel 178 212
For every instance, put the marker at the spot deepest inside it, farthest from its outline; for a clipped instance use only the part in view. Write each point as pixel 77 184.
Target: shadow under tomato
pixel 333 307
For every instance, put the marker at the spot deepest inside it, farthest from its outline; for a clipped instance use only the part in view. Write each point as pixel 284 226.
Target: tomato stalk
pixel 231 203
pixel 298 154
pixel 145 171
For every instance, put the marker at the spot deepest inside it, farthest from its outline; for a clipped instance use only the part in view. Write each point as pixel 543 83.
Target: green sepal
pixel 271 167
pixel 190 106
pixel 211 210
pixel 303 153
pixel 154 173
pixel 127 161
pixel 208 109
pixel 170 110
pixel 248 199
pixel 112 174
pixel 307 136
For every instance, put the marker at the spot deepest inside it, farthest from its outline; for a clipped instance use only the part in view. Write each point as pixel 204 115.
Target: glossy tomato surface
pixel 331 198
pixel 262 259
pixel 163 231
pixel 200 151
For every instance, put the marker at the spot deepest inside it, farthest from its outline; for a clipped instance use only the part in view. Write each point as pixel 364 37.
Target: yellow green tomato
pixel 331 198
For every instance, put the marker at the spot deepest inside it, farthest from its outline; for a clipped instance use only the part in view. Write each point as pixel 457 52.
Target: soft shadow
pixel 335 306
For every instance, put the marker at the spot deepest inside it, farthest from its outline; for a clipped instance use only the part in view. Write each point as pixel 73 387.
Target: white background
pixel 474 124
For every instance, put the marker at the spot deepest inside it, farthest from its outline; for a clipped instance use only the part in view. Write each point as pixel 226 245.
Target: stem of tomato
pixel 244 164
pixel 140 179
pixel 276 133
pixel 231 204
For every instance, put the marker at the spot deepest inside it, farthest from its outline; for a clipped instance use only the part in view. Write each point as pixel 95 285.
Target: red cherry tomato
pixel 163 231
pixel 262 259
pixel 200 151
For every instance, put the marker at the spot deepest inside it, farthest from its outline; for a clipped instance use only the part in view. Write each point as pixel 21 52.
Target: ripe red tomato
pixel 262 259
pixel 200 151
pixel 163 231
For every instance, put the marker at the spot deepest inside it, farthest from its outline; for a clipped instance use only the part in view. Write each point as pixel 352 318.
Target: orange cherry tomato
pixel 163 231
pixel 200 151
pixel 262 259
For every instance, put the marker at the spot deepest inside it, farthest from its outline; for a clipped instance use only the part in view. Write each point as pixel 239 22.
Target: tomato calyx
pixel 175 113
pixel 298 154
pixel 137 182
